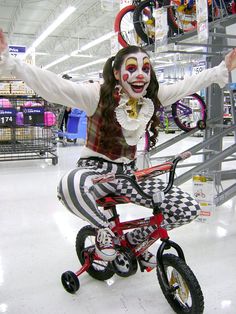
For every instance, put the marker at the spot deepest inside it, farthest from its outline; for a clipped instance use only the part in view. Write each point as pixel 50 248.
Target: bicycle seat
pixel 112 200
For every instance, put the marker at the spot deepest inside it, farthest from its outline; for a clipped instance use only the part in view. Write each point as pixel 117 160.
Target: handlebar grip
pixel 185 155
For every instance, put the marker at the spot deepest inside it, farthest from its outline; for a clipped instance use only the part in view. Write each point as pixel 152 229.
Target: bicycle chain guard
pixel 125 264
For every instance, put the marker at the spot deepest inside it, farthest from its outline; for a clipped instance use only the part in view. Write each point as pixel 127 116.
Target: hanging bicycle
pixel 187 113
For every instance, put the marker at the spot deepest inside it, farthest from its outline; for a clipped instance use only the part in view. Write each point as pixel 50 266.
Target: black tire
pixel 100 270
pixel 186 296
pixel 185 121
pixel 70 281
pixel 139 24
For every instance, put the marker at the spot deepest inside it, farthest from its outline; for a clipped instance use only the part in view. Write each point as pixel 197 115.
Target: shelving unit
pixel 23 134
pixel 229 106
pixel 211 147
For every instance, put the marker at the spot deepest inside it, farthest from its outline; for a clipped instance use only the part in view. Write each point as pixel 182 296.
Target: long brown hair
pixel 108 100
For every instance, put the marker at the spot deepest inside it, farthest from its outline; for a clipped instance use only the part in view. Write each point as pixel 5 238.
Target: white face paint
pixel 135 74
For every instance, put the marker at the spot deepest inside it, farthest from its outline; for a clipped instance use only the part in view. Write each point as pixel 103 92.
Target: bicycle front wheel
pixel 189 111
pixel 184 294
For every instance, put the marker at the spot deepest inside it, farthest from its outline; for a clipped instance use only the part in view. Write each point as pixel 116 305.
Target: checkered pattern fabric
pixel 78 193
pixel 178 207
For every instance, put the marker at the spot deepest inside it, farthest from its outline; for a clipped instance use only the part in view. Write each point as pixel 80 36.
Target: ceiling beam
pixel 15 17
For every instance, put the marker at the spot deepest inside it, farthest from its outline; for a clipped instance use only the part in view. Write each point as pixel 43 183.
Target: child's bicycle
pixel 178 283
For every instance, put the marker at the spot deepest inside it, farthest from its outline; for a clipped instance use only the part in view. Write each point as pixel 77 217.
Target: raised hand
pixel 3 41
pixel 230 60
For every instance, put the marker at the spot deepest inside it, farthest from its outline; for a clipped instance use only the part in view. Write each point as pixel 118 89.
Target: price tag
pixel 8 117
pixel 199 67
pixel 33 116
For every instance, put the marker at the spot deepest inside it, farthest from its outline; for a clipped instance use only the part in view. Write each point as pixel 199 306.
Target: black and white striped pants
pixel 78 193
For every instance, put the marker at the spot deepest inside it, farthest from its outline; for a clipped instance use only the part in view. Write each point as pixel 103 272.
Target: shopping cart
pixel 75 129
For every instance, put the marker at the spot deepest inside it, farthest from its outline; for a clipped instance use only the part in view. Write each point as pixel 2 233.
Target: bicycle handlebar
pixel 145 173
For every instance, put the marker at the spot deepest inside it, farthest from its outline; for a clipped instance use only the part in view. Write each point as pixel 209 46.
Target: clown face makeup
pixel 135 74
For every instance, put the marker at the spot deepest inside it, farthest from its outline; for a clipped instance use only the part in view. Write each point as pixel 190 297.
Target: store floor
pixel 37 236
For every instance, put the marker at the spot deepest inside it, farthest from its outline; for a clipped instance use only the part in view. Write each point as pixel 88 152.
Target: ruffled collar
pixel 133 128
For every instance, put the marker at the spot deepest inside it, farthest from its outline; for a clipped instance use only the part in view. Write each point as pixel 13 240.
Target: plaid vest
pixel 96 140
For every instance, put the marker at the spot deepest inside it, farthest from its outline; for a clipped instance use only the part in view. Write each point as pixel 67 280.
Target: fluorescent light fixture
pixel 80 55
pixel 194 49
pixel 163 66
pixel 163 55
pixel 61 18
pixel 86 65
pixel 38 53
pixel 96 41
pixel 56 62
pixel 162 61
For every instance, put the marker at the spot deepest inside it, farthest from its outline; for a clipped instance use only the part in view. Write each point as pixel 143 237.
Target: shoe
pixel 147 259
pixel 105 247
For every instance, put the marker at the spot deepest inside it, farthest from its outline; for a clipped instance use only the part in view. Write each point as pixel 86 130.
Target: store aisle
pixel 37 237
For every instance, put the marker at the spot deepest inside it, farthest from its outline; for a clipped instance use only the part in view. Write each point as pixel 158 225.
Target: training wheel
pixel 70 281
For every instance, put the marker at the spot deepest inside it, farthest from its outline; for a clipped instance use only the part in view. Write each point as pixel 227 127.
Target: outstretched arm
pixel 230 60
pixel 3 42
pixel 169 94
pixel 47 84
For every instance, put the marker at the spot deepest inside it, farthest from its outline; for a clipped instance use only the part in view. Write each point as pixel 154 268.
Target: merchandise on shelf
pixel 5 103
pixel 49 118
pixel 5 88
pixel 26 129
pixel 20 88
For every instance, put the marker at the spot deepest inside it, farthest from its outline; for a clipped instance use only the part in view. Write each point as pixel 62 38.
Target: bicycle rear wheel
pixel 85 241
pixel 183 293
pixel 123 25
pixel 189 112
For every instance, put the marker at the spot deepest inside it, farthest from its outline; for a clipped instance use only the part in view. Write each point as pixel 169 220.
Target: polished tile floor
pixel 37 238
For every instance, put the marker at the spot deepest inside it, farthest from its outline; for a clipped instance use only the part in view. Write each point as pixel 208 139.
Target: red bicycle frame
pixel 110 202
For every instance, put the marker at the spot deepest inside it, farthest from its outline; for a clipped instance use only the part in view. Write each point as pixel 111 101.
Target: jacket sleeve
pixel 169 94
pixel 50 86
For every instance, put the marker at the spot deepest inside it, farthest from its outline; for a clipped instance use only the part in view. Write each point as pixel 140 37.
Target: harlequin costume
pixel 76 189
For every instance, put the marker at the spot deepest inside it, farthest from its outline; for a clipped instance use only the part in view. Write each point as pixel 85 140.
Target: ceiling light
pixel 42 53
pixel 80 55
pixel 56 62
pixel 162 61
pixel 86 65
pixel 96 41
pixel 194 49
pixel 61 18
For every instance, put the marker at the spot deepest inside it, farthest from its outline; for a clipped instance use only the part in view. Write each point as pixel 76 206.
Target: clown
pixel 119 112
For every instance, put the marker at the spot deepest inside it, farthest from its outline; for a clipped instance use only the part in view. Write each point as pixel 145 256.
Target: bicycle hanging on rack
pixel 123 25
pixel 135 23
pixel 177 281
pixel 189 113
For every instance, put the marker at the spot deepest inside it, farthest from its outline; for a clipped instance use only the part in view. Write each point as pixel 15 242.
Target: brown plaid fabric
pixel 96 140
